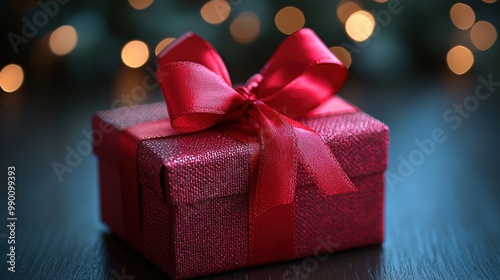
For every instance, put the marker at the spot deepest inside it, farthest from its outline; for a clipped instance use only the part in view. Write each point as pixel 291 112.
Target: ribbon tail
pixel 272 207
pixel 320 162
pixel 278 160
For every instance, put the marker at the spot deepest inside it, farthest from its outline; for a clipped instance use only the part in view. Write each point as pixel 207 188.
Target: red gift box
pixel 189 200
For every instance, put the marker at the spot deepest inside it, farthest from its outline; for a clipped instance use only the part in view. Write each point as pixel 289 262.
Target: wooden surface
pixel 442 222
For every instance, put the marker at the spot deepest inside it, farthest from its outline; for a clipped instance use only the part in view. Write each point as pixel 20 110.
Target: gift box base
pixel 193 247
pixel 206 230
pixel 188 236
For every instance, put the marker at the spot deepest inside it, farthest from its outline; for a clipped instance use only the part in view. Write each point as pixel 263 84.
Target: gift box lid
pixel 186 168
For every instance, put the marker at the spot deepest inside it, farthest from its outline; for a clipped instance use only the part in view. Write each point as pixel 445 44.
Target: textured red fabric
pixel 128 144
pixel 195 187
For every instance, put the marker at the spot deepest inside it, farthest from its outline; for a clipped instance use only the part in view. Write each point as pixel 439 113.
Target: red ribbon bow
pixel 300 76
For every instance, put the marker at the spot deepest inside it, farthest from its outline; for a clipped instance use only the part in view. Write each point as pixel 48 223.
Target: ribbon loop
pixel 301 74
pixel 191 47
pixel 196 97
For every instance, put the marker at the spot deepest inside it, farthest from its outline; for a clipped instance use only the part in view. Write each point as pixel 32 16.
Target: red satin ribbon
pixel 300 76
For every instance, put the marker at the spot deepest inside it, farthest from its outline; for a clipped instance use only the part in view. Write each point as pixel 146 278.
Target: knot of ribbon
pixel 247 90
pixel 300 76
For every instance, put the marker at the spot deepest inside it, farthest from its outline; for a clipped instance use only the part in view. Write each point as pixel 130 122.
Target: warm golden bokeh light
pixel 462 16
pixel 380 1
pixel 360 25
pixel 459 59
pixel 489 1
pixel 483 35
pixel 345 9
pixel 163 44
pixel 135 54
pixel 245 28
pixel 11 77
pixel 140 4
pixel 289 19
pixel 63 40
pixel 215 11
pixel 343 55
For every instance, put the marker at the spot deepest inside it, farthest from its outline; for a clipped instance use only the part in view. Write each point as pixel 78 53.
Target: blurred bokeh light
pixel 360 25
pixel 289 19
pixel 245 28
pixel 140 4
pixel 63 40
pixel 460 59
pixel 215 11
pixel 462 16
pixel 11 77
pixel 483 35
pixel 135 54
pixel 346 8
